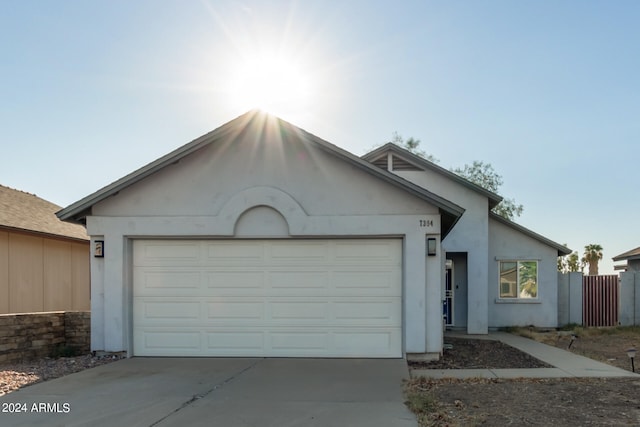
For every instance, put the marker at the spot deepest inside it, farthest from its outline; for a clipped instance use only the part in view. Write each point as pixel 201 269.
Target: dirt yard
pixel 532 402
pixel 608 345
pixel 480 354
pixel 535 402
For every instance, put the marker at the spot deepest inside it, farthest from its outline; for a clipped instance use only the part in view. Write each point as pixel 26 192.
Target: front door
pixel 448 294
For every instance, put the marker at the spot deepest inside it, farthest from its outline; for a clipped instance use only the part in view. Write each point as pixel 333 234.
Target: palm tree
pixel 592 254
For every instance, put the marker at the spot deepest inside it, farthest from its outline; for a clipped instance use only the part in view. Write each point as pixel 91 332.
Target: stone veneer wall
pixel 28 336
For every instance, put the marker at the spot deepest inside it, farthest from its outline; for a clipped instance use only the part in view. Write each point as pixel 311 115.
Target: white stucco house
pixel 260 239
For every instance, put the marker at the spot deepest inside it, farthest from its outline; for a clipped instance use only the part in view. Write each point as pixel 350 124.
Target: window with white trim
pixel 519 279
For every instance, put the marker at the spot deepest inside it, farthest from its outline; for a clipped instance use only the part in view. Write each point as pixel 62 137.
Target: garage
pixel 261 239
pixel 268 298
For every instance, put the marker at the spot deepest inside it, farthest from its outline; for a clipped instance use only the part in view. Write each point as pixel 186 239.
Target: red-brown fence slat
pixel 600 300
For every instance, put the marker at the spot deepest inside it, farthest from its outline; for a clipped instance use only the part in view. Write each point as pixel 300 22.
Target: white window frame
pixel 517 298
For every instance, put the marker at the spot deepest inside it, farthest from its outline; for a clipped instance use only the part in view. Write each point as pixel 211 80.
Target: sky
pixel 546 91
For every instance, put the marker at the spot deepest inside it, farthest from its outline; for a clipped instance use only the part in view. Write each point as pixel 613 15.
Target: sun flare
pixel 273 83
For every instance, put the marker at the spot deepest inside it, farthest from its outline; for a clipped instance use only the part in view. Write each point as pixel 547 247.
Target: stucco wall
pixel 509 244
pixel 471 235
pixel 633 265
pixel 262 188
pixel 629 298
pixel 203 182
pixel 569 298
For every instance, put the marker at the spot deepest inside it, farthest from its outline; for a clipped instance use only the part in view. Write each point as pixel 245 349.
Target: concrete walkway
pixel 567 364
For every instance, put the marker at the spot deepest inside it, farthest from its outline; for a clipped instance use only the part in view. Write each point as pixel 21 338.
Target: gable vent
pixel 402 165
pixel 381 162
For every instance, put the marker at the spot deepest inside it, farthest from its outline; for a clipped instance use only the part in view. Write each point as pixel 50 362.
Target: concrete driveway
pixel 219 392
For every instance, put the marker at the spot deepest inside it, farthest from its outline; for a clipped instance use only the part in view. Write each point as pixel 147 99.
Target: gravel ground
pixel 18 375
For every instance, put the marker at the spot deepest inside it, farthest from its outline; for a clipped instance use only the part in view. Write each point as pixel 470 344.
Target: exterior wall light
pixel 98 248
pixel 632 353
pixel 431 246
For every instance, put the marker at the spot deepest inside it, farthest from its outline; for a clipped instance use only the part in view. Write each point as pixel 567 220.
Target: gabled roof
pixel 425 164
pixel 562 249
pixel 255 120
pixel 632 254
pixel 26 212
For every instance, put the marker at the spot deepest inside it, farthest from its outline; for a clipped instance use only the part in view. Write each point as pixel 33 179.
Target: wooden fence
pixel 600 300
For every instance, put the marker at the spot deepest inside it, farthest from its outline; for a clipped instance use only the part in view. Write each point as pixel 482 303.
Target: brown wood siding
pixel 25 273
pixel 57 280
pixel 81 276
pixel 38 273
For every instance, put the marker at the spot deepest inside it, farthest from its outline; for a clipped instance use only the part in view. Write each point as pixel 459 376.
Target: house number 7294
pixel 426 222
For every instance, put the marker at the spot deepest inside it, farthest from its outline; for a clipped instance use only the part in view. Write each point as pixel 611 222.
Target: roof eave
pixel 445 206
pixel 45 234
pixel 562 249
pixel 493 198
pixel 77 211
pixel 633 254
pixel 626 258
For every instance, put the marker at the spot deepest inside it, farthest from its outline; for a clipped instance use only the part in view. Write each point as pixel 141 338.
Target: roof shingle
pixel 25 211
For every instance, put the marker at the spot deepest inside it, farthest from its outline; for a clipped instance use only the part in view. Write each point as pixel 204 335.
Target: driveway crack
pixel 197 397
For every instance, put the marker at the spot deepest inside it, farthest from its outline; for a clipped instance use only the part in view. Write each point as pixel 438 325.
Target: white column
pixel 414 294
pixel 114 293
pixel 97 299
pixel 478 283
pixel 434 285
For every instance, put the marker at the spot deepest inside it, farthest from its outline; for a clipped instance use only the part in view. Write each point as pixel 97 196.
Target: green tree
pixel 570 263
pixel 485 176
pixel 479 173
pixel 592 255
pixel 413 145
pixel 573 262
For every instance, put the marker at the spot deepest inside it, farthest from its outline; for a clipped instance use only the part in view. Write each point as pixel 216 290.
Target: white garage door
pixel 296 298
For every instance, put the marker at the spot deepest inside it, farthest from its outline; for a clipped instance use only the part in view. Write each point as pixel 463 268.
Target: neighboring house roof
pixel 632 254
pixel 423 163
pixel 256 119
pixel 27 212
pixel 562 249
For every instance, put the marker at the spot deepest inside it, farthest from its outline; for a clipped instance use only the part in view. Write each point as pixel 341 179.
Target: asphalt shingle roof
pixel 25 211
